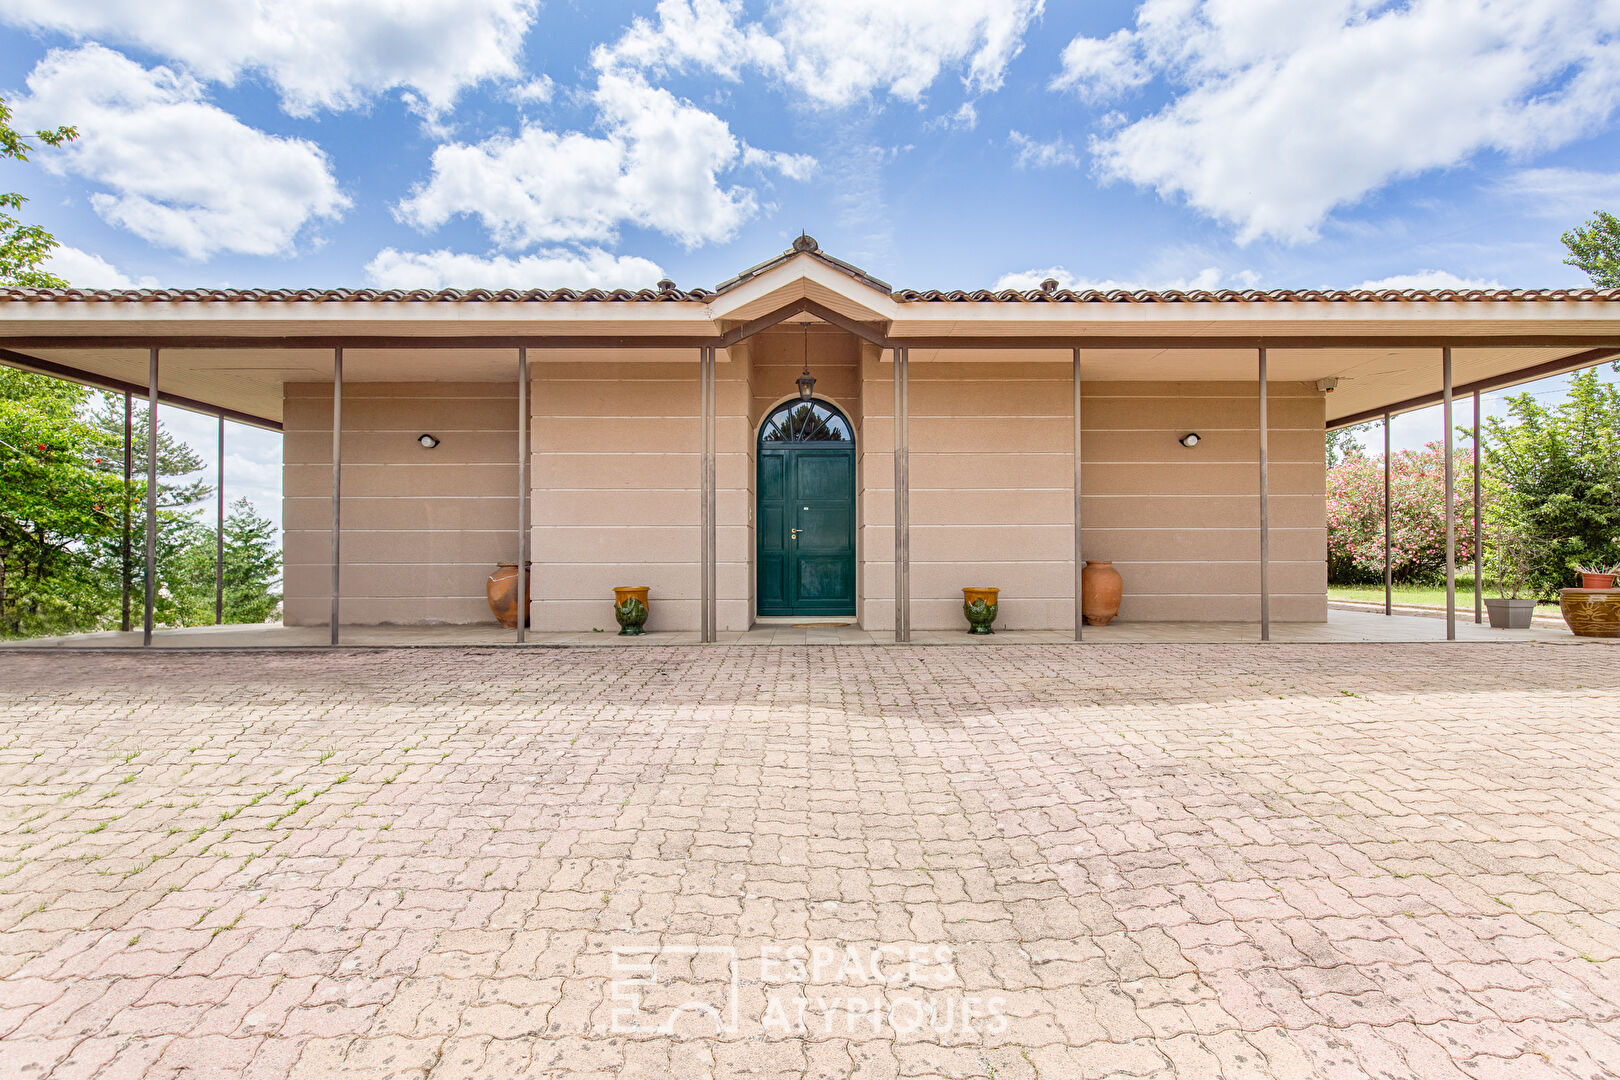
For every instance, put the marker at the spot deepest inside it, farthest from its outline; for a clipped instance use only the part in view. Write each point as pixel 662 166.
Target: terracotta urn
pixel 1591 612
pixel 630 608
pixel 1100 590
pixel 501 588
pixel 979 605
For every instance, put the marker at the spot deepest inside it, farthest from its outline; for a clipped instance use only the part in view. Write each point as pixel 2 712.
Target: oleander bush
pixel 1355 516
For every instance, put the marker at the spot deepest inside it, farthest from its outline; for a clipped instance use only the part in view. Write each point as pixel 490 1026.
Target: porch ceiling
pixel 250 380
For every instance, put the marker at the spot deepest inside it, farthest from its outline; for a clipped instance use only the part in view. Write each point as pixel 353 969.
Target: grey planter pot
pixel 1509 614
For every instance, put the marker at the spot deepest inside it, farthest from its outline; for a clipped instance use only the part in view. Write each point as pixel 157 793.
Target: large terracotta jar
pixel 501 588
pixel 1100 590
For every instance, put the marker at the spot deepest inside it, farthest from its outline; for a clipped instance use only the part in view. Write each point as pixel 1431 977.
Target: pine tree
pixel 252 565
pixel 182 494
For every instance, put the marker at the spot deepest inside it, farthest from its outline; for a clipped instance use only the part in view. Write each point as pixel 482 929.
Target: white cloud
pixel 320 54
pixel 550 269
pixel 692 34
pixel 84 270
pixel 535 90
pixel 658 164
pixel 1208 278
pixel 833 52
pixel 964 118
pixel 1568 194
pixel 1032 153
pixel 1428 279
pixel 180 172
pixel 1100 68
pixel 1284 111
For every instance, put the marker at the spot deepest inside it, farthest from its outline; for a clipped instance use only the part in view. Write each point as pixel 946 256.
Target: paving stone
pixel 1035 861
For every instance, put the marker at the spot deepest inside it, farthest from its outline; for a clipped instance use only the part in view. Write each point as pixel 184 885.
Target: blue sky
pixel 937 143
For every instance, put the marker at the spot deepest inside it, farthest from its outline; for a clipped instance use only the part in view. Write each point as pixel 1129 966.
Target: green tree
pixel 24 248
pixel 252 565
pixel 252 571
pixel 1343 442
pixel 180 491
pixel 56 502
pixel 1553 478
pixel 1595 248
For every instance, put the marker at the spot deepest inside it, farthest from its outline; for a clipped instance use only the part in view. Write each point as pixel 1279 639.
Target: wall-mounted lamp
pixel 428 442
pixel 1189 439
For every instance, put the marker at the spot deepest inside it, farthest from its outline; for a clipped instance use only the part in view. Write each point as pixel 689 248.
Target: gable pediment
pixel 803 276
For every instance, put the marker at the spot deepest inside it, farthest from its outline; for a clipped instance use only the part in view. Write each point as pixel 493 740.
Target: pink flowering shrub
pixel 1355 516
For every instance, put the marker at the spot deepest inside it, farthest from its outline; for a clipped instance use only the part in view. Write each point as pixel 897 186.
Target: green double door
pixel 805 524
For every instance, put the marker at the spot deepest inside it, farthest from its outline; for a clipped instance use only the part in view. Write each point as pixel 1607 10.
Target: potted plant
pixel 1511 563
pixel 630 608
pixel 1597 577
pixel 979 605
pixel 1594 609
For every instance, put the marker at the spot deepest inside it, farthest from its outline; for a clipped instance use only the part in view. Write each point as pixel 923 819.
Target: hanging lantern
pixel 807 381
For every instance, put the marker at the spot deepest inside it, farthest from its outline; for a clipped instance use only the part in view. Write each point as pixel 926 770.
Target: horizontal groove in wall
pixel 482 598
pixel 1251 497
pixel 438 430
pixel 351 394
pixel 1255 529
pixel 348 564
pixel 347 499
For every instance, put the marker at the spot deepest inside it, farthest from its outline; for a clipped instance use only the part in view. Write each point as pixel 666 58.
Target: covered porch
pixel 615 438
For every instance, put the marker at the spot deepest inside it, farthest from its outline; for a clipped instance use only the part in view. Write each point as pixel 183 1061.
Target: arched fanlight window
pixel 805 421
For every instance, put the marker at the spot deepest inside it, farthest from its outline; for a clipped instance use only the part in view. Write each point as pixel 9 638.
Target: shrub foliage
pixel 1355 516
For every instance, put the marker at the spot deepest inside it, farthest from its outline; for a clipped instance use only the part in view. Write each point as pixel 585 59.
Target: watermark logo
pixel 676 990
pixel 825 989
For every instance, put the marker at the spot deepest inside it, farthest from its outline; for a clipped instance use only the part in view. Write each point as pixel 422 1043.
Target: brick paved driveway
pixel 1043 861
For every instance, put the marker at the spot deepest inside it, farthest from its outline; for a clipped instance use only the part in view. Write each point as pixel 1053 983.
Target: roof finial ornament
pixel 666 285
pixel 1049 286
pixel 805 242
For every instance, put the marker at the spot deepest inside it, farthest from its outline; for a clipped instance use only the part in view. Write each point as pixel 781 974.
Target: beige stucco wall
pixel 616 454
pixel 615 479
pixel 1182 524
pixel 421 528
pixel 992 498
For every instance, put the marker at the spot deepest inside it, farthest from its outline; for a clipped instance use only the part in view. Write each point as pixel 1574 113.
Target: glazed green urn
pixel 979 605
pixel 630 609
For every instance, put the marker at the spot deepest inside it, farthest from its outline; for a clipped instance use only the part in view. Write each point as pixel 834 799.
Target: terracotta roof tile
pixel 1249 296
pixel 354 296
pixel 904 296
